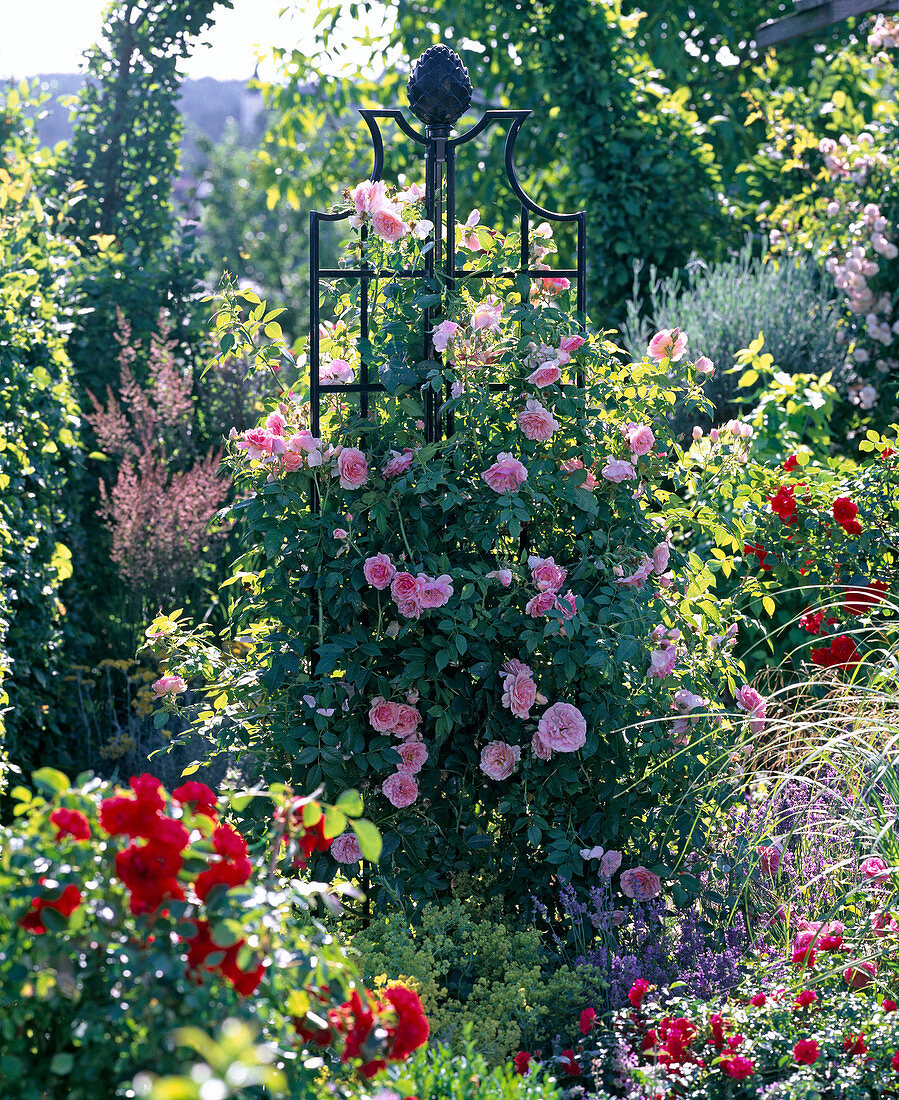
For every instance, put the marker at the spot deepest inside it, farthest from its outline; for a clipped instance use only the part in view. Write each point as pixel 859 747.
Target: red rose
pixel 887 1005
pixel 411 1028
pixel 844 510
pixel 570 1064
pixel 855 1044
pixel 637 992
pixel 198 795
pixel 71 823
pixel 758 1000
pixel 588 1019
pixel 738 1067
pixel 228 842
pixel 806 1052
pixel 805 998
pixel 783 504
pixel 895 1062
pixel 522 1063
pixel 791 463
pixel 245 982
pixel 223 873
pixel 66 904
pixel 852 527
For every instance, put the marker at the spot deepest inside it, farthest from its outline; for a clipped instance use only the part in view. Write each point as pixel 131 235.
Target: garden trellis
pixel 439 93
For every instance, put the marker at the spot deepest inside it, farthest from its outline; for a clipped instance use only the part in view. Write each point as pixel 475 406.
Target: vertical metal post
pixel 314 295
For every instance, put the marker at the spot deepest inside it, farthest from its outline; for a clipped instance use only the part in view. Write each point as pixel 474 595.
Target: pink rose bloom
pixel 563 728
pixel 387 222
pixel 640 574
pixel 640 438
pixel 408 719
pixel 339 533
pixel 435 592
pixel 670 343
pixel 769 860
pixel 504 576
pixel 755 705
pixel 443 334
pixel 589 481
pixel 345 848
pixel 498 759
pixel 883 924
pixel 487 314
pixel 547 576
pixel 379 571
pixel 293 461
pixel 304 441
pixel 168 685
pixel 506 475
pixel 539 748
pixel 572 343
pixel 414 755
pixel 860 973
pixel 662 661
pixel 382 715
pixel 803 952
pixel 660 558
pixel 547 374
pixel 609 864
pixel 567 604
pixel 640 884
pixel 539 605
pixel 554 284
pixel 617 470
pixel 366 196
pixel 405 587
pixel 704 365
pixel 873 868
pixel 259 442
pixel 352 467
pixel 397 463
pixel 274 423
pixel 519 694
pixel 400 789
pixel 410 609
pixel 536 421
pixel 338 370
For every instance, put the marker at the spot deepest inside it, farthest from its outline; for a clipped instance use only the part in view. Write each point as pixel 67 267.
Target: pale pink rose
pixel 345 848
pixel 379 571
pixel 660 558
pixel 498 759
pixel 545 375
pixel 873 868
pixel 338 370
pixel 169 685
pixel 397 463
pixel 414 756
pixel 352 467
pixel 563 728
pixel 686 700
pixel 860 973
pixel 609 864
pixel 519 694
pixel 443 334
pixel 555 284
pixel 387 222
pixel 435 592
pixel 589 481
pixel 487 314
pixel 408 719
pixel 617 470
pixel 539 605
pixel 755 705
pixel 704 365
pixel 258 443
pixel 457 389
pixel 640 438
pixel 410 609
pixel 339 533
pixel 513 666
pixel 536 421
pixel 662 661
pixel 539 748
pixel 547 576
pixel 400 789
pixel 769 860
pixel 640 574
pixel 506 475
pixel 304 441
pixel 592 853
pixel 567 604
pixel 572 343
pixel 670 343
pixel 504 576
pixel 274 423
pixel 367 195
pixel 382 715
pixel 640 884
pixel 405 587
pixel 293 461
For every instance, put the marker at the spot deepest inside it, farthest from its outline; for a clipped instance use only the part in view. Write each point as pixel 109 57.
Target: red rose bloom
pixel 791 463
pixel 228 842
pixel 844 510
pixel 411 1028
pixel 123 816
pixel 199 796
pixel 223 873
pixel 66 904
pixel 805 998
pixel 861 599
pixel 245 982
pixel 855 1044
pixel 637 992
pixel 148 791
pixel 71 823
pixel 522 1063
pixel 812 622
pixel 716 1022
pixel 738 1067
pixel 806 1052
pixel 895 1062
pixel 758 1000
pixel 852 527
pixel 570 1064
pixel 588 1020
pixel 783 504
pixel 887 1005
pixel 760 552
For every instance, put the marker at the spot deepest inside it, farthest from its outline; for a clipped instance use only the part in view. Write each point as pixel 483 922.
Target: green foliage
pixel 39 442
pixel 724 306
pixel 606 135
pixel 471 966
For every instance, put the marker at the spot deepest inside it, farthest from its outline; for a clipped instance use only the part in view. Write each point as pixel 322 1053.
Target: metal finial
pixel 439 88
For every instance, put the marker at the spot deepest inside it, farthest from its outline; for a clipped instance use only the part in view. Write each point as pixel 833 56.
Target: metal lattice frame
pixel 439 93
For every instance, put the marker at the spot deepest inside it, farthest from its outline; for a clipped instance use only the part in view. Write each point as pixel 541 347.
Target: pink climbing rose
pixel 506 475
pixel 397 463
pixel 352 468
pixel 387 222
pixel 547 576
pixel 536 421
pixel 168 685
pixel 617 470
pixel 640 438
pixel 407 721
pixel 383 715
pixel 498 760
pixel 670 343
pixel 563 728
pixel 443 334
pixel 400 789
pixel 640 884
pixel 414 756
pixel 547 374
pixel 345 848
pixel 434 591
pixel 519 693
pixel 487 314
pixel 379 571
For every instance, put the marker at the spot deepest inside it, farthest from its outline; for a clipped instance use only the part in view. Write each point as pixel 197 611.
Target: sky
pixel 49 36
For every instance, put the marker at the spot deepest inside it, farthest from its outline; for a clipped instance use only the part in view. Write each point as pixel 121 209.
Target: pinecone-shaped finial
pixel 439 89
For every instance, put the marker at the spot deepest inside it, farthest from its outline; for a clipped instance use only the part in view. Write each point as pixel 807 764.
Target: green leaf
pixel 61 1064
pixel 369 839
pixel 51 780
pixel 350 802
pixel 335 822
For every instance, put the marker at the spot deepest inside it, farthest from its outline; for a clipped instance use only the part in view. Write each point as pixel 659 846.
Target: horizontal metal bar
pixel 349 387
pixel 355 273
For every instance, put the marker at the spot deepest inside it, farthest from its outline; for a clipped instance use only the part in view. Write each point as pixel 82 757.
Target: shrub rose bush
pixel 125 914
